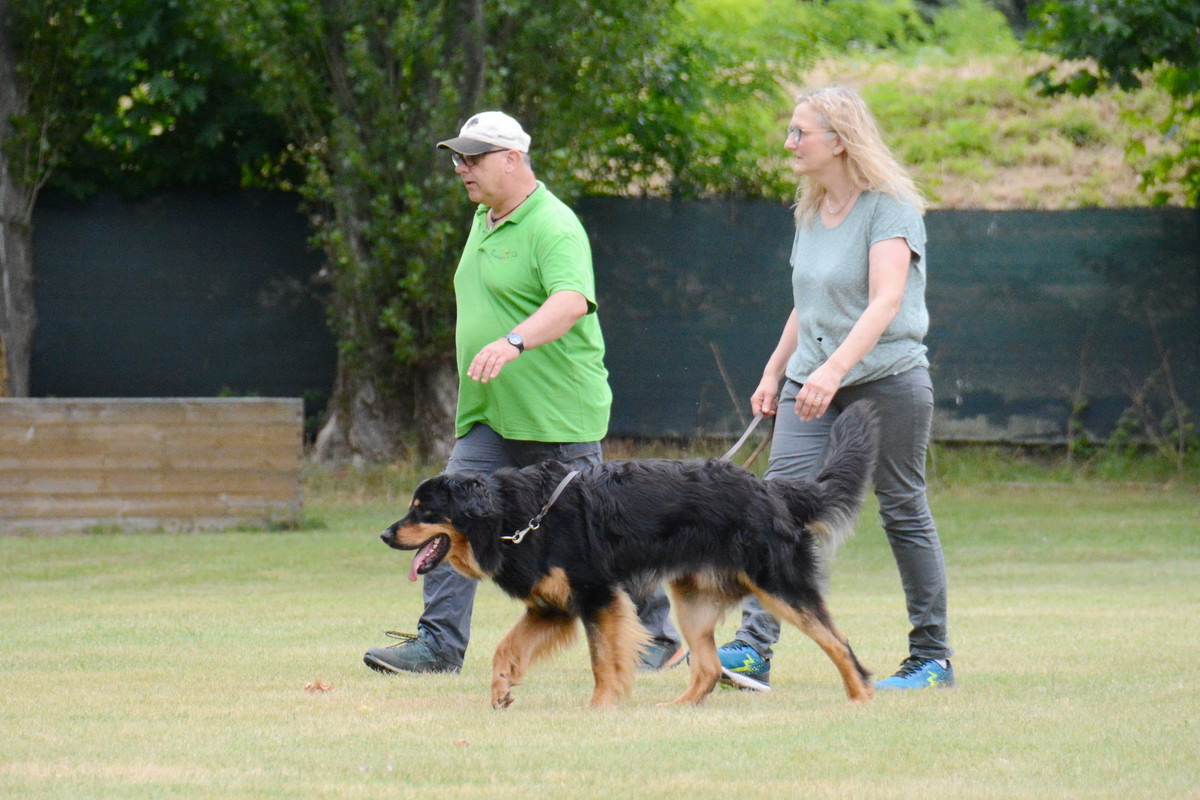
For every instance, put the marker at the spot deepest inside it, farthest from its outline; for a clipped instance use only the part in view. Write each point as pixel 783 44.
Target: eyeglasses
pixel 799 133
pixel 460 159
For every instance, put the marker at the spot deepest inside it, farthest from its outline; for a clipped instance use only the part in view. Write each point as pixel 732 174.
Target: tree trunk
pixel 370 423
pixel 18 317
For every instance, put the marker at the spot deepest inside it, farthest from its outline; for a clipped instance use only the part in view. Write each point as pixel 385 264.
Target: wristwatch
pixel 516 341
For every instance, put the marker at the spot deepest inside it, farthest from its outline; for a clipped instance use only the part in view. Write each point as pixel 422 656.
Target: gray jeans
pixel 450 597
pixel 905 406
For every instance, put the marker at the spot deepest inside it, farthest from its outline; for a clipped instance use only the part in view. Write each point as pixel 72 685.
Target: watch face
pixel 516 341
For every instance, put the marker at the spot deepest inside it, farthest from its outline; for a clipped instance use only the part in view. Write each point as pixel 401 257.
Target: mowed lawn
pixel 175 665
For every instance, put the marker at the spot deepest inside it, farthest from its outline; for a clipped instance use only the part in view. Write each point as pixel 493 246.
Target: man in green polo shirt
pixel 532 382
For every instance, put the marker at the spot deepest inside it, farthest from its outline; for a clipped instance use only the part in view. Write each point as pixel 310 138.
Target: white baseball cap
pixel 486 131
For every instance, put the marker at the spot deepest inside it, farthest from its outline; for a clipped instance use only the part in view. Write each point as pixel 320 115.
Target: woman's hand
pixel 765 399
pixel 817 392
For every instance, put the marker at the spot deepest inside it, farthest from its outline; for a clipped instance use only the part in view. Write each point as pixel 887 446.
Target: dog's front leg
pixel 536 634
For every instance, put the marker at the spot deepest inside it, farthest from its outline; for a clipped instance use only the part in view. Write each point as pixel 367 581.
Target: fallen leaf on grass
pixel 460 743
pixel 317 686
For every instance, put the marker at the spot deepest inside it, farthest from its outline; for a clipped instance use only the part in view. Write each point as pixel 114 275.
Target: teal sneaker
pixel 743 667
pixel 919 673
pixel 413 654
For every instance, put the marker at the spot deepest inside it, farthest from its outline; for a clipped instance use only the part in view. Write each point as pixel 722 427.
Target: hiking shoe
pixel 919 673
pixel 412 654
pixel 743 667
pixel 660 655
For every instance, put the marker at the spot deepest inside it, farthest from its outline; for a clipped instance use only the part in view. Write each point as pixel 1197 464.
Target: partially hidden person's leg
pixel 444 628
pixel 797 453
pixel 905 406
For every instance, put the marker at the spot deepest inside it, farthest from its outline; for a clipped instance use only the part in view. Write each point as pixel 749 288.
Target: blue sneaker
pixel 919 673
pixel 743 667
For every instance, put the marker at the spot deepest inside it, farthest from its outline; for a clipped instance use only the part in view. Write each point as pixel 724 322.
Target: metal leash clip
pixel 536 522
pixel 516 538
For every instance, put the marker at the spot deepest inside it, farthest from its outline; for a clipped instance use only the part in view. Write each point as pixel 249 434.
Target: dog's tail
pixel 853 445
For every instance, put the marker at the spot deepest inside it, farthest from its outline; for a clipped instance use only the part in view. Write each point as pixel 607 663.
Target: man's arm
pixel 552 320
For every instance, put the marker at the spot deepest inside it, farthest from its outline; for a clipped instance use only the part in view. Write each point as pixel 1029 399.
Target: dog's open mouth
pixel 429 556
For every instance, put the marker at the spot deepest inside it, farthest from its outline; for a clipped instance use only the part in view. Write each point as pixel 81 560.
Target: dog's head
pixel 453 518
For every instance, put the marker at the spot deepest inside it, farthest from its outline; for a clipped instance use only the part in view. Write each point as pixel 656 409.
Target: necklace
pixel 829 202
pixel 494 220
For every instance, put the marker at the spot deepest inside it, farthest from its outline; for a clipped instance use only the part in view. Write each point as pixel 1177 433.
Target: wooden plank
pixel 152 410
pixel 51 482
pixel 141 505
pixel 201 458
pixel 183 434
pixel 72 525
pixel 81 462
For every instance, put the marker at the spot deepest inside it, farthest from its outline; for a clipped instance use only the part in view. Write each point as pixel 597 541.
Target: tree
pixel 28 123
pixel 117 94
pixel 367 87
pixel 1129 42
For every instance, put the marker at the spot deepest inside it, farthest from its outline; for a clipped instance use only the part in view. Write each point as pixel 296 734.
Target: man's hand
pixel 491 359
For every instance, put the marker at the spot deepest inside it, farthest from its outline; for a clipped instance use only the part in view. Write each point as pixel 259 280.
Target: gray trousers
pixel 450 597
pixel 905 406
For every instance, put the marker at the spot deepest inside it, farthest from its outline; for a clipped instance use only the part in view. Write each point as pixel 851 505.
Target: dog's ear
pixel 477 514
pixel 474 497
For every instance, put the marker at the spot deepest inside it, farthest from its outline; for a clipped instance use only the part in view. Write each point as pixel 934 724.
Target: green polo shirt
pixel 554 393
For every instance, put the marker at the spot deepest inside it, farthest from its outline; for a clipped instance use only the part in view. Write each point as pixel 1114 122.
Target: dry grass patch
pixel 976 136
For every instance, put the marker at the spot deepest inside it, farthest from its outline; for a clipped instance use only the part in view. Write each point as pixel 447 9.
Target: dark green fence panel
pixel 178 295
pixel 1033 313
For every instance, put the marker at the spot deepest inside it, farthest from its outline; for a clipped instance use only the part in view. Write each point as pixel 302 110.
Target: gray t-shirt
pixel 829 288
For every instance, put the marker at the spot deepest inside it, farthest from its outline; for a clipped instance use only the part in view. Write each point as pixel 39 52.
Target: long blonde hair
pixel 871 165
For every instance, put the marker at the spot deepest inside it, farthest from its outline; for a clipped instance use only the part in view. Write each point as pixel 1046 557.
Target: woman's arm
pixel 887 273
pixel 765 399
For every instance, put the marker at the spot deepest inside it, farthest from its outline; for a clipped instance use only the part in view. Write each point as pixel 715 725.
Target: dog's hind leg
pixel 535 635
pixel 818 626
pixel 615 637
pixel 698 613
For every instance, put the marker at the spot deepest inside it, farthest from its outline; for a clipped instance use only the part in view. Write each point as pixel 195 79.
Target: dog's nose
pixel 384 536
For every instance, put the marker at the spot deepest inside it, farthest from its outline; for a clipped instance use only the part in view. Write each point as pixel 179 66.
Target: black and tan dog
pixel 715 532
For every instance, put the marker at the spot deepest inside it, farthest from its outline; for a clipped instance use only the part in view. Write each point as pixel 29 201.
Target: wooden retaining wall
pixel 69 465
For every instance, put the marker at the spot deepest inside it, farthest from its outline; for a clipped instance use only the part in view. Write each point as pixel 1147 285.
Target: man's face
pixel 484 175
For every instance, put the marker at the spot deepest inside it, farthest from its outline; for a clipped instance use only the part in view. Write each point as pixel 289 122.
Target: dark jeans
pixel 450 597
pixel 905 406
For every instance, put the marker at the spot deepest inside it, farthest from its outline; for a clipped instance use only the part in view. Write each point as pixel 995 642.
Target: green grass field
pixel 175 665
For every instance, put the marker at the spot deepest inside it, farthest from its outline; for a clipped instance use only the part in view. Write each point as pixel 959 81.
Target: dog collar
pixel 536 522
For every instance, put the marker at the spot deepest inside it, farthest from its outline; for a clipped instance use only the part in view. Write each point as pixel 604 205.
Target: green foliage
pixel 1127 44
pixel 367 87
pixel 972 28
pixel 127 94
pixel 789 32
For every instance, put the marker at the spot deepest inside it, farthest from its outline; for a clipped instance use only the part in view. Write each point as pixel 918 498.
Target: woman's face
pixel 812 146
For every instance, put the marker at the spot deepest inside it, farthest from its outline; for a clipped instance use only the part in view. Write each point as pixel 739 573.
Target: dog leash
pixel 738 444
pixel 536 522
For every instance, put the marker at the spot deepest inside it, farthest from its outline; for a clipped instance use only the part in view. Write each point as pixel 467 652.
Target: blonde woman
pixel 858 281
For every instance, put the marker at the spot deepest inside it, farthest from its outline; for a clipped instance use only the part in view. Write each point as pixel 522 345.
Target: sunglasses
pixel 460 159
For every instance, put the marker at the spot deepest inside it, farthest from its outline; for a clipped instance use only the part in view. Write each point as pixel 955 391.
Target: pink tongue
pixel 418 558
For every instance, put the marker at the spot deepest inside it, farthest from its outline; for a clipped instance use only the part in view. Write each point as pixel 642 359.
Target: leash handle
pixel 738 444
pixel 536 522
